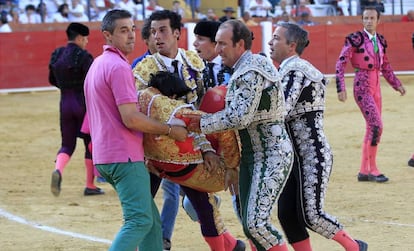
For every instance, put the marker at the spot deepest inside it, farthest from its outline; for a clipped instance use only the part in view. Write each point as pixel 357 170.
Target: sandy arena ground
pixel 31 218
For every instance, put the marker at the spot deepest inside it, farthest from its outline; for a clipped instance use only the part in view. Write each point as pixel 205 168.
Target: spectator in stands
pixel 285 17
pixel 228 14
pixel 343 7
pixel 152 6
pixel 274 3
pixel 14 16
pixel 211 15
pixel 99 8
pixel 4 25
pixel 30 16
pixel 259 8
pixel 62 16
pixel 130 6
pixel 305 20
pixel 52 6
pixel 194 5
pixel 377 3
pixel 178 9
pixel 409 17
pixel 42 11
pixel 77 12
pixel 247 19
pixel 23 3
pixel 297 12
pixel 282 8
pixel 6 5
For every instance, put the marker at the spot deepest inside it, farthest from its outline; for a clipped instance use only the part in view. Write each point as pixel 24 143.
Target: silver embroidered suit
pixel 255 107
pixel 302 200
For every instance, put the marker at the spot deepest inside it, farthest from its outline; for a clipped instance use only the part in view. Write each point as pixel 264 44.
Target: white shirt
pixel 80 9
pixel 261 8
pixel 58 18
pixel 168 62
pixel 5 28
pixel 32 19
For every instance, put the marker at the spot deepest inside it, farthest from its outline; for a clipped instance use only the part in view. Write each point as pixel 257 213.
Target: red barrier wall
pixel 24 56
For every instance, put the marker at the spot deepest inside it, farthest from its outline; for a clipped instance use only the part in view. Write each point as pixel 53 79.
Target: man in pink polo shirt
pixel 117 128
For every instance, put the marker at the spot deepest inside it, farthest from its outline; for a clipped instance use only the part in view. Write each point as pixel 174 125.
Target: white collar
pixel 284 62
pixel 370 36
pixel 168 61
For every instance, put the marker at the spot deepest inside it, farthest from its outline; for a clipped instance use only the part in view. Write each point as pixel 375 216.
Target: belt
pixel 182 172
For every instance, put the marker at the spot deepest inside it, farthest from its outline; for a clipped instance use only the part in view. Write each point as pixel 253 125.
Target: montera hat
pixel 207 29
pixel 77 28
pixel 228 9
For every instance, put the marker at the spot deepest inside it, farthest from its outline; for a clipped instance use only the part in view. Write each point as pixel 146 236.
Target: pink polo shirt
pixel 108 84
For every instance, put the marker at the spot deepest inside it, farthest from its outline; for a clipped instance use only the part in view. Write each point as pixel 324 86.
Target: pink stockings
pixel 346 241
pixel 304 245
pixel 223 242
pixel 62 160
pixel 369 162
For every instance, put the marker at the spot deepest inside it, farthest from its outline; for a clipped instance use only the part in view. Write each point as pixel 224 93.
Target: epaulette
pixel 258 63
pixel 382 41
pixel 193 60
pixel 303 66
pixel 142 71
pixel 355 39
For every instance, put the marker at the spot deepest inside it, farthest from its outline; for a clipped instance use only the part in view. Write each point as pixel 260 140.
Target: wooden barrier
pixel 24 56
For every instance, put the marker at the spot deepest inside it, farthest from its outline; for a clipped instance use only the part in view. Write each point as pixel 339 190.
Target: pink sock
pixel 216 243
pixel 343 238
pixel 229 241
pixel 282 247
pixel 62 160
pixel 252 246
pixel 89 174
pixel 304 245
pixel 364 169
pixel 373 160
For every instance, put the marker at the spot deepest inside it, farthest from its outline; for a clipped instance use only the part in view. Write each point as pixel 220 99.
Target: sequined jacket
pixel 254 97
pixel 303 86
pixel 192 69
pixel 192 74
pixel 359 50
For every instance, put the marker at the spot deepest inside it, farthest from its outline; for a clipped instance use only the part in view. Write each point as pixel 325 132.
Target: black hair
pixel 240 32
pixel 168 84
pixel 175 19
pixel 372 8
pixel 62 7
pixel 295 33
pixel 108 22
pixel 146 29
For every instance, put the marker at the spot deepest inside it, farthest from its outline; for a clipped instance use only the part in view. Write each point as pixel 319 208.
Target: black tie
pixel 211 78
pixel 174 63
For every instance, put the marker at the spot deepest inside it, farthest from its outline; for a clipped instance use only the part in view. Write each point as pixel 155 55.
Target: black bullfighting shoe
pixel 93 191
pixel 240 246
pixel 411 162
pixel 363 246
pixel 362 177
pixel 56 182
pixel 378 178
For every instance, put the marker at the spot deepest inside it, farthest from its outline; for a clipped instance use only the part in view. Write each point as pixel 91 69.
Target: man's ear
pixel 240 43
pixel 177 34
pixel 292 46
pixel 106 35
